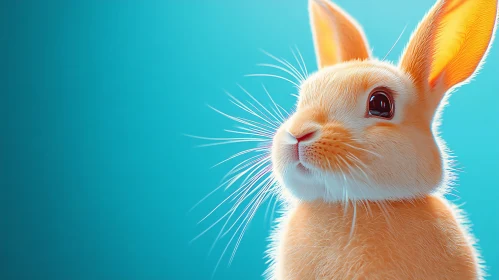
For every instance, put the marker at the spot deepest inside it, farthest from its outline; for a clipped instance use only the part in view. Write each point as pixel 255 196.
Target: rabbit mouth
pixel 302 169
pixel 303 182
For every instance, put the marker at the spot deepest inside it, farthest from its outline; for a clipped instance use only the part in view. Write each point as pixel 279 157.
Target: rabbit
pixel 361 159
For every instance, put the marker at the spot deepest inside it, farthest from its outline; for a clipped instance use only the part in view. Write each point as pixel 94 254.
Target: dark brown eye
pixel 380 105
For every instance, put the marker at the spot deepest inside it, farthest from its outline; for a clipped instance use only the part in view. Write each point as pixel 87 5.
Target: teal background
pixel 97 177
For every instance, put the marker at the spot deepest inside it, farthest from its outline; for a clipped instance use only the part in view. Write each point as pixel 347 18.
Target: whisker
pixel 285 63
pixel 221 138
pixel 394 44
pixel 248 133
pixel 297 61
pixel 354 218
pixel 208 228
pixel 273 76
pixel 245 186
pixel 273 102
pixel 268 124
pixel 356 160
pixel 362 149
pixel 263 107
pixel 267 209
pixel 252 161
pixel 263 183
pixel 240 154
pixel 298 79
pixel 276 200
pixel 302 60
pixel 229 242
pixel 253 124
pixel 232 142
pixel 385 213
pixel 235 193
pixel 284 110
pixel 250 181
pixel 256 131
pixel 257 204
pixel 263 115
pixel 257 176
pixel 345 184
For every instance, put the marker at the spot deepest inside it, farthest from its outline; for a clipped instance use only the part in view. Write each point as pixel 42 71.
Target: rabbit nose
pixel 304 136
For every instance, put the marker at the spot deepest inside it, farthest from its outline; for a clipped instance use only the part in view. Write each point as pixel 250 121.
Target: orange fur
pixel 367 191
pixel 329 21
pixel 419 239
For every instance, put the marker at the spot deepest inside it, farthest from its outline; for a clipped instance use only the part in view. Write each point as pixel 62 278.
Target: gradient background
pixel 97 178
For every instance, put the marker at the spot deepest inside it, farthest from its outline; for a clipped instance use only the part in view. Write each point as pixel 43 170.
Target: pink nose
pixel 304 137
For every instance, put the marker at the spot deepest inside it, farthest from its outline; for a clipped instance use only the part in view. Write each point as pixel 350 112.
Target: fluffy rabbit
pixel 361 158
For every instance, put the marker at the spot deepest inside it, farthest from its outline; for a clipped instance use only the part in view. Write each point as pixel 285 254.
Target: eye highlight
pixel 380 104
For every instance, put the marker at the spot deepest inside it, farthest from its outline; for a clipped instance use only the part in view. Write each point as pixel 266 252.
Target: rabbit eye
pixel 380 105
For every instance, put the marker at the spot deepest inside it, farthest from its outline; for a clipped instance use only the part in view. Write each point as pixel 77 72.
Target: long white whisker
pixel 235 193
pixel 302 60
pixel 361 149
pixel 285 63
pixel 241 120
pixel 299 64
pixel 221 138
pixel 226 247
pixel 276 200
pixel 272 118
pixel 232 142
pixel 284 110
pixel 240 154
pixel 264 182
pixel 250 181
pixel 263 107
pixel 386 215
pixel 222 230
pixel 242 196
pixel 253 166
pixel 274 76
pixel 257 204
pixel 264 133
pixel 208 228
pixel 267 209
pixel 298 79
pixel 243 106
pixel 252 161
pixel 394 44
pixel 354 218
pixel 248 133
pixel 273 102
pixel 268 124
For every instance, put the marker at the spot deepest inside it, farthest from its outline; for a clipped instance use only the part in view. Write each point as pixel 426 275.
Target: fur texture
pixel 366 192
pixel 421 239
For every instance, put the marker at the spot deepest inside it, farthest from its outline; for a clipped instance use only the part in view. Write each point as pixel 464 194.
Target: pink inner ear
pixel 450 43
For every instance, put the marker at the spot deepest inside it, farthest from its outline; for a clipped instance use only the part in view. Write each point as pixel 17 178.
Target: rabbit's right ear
pixel 449 45
pixel 337 37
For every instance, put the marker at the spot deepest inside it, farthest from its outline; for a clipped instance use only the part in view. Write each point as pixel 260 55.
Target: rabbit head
pixel 365 129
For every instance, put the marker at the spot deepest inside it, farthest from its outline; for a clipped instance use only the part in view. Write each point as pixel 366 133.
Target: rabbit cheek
pixel 408 163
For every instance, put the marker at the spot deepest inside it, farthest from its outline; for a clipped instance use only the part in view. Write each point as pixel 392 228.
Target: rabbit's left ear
pixel 337 37
pixel 449 44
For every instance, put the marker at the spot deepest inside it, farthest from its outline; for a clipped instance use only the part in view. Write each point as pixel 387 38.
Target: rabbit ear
pixel 337 37
pixel 450 43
